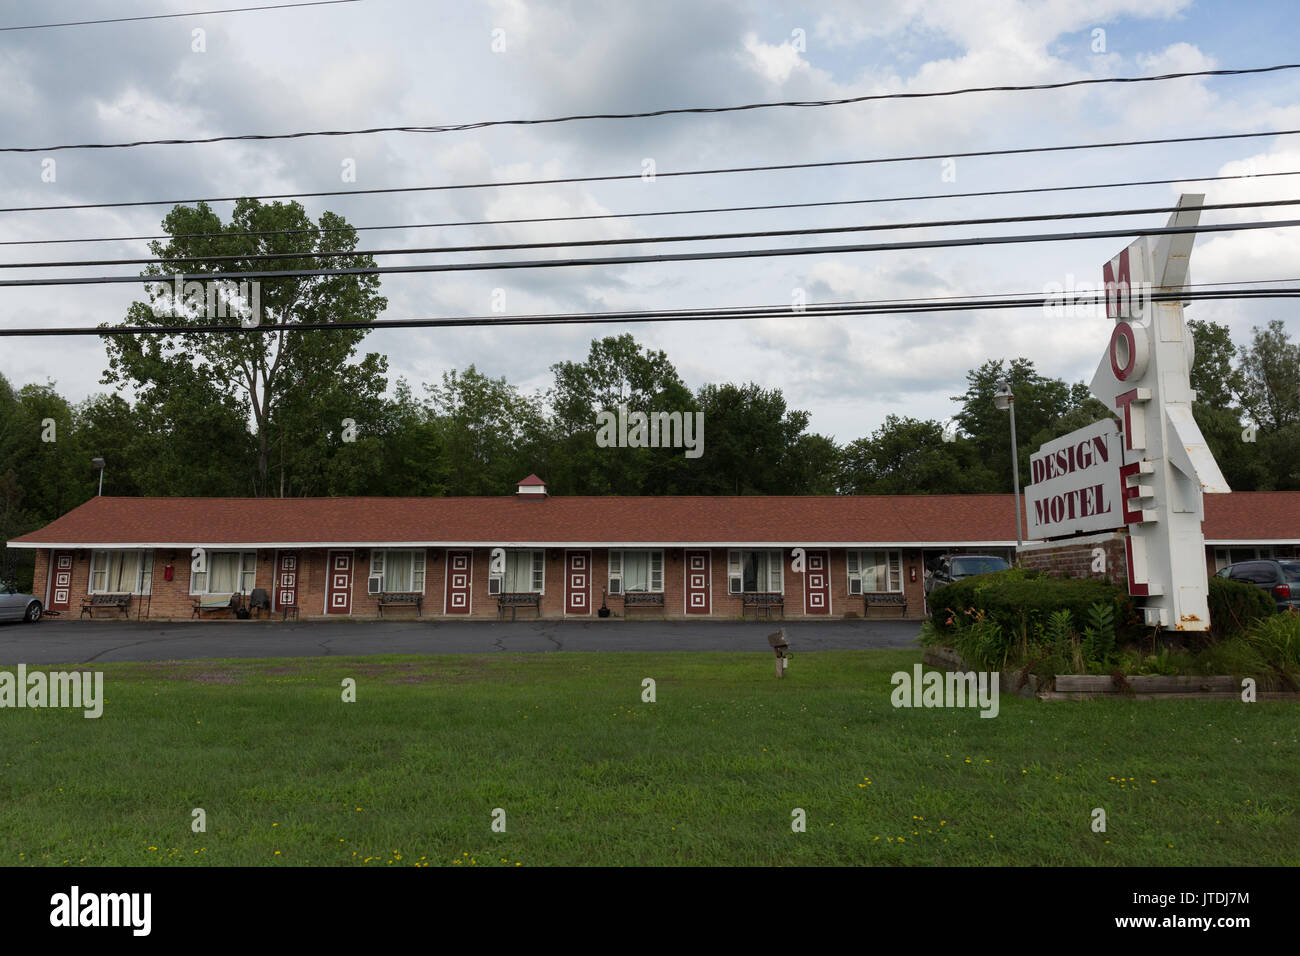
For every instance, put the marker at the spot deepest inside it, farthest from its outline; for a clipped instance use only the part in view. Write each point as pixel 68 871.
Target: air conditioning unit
pixel 375 584
pixel 855 585
pixel 734 585
pixel 494 585
pixel 615 585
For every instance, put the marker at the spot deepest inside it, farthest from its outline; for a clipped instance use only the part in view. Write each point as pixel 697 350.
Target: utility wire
pixel 689 172
pixel 586 318
pixel 637 215
pixel 460 127
pixel 171 16
pixel 664 257
pixel 563 243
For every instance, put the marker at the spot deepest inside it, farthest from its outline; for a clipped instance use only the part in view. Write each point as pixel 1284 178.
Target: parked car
pixel 1280 578
pixel 954 567
pixel 17 606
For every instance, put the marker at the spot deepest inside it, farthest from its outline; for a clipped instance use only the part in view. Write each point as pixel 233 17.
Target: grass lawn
pixel 587 773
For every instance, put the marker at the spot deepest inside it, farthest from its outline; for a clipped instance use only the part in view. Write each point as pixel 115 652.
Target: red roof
pixel 808 520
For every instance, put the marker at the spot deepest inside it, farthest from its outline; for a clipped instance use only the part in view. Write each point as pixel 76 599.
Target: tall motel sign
pixel 1148 474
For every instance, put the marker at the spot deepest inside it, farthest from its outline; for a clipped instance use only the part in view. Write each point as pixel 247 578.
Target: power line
pixel 460 127
pixel 637 215
pixel 663 257
pixel 563 244
pixel 170 16
pixel 689 172
pixel 705 314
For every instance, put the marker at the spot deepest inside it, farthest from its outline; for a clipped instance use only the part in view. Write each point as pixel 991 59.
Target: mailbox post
pixel 782 648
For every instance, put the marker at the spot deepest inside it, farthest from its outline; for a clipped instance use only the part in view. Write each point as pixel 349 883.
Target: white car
pixel 17 606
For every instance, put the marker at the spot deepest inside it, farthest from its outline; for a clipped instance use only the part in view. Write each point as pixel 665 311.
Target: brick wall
pixel 1075 559
pixel 171 600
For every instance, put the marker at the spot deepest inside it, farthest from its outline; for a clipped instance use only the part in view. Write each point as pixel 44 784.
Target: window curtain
pixel 223 572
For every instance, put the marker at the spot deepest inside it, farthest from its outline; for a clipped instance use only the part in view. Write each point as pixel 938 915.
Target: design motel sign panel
pixel 1150 473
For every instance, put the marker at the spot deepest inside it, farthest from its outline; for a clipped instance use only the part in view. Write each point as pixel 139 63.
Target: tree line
pixel 306 414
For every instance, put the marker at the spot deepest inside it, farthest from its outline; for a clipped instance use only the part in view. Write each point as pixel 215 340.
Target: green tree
pixel 1270 372
pixel 906 456
pixel 253 374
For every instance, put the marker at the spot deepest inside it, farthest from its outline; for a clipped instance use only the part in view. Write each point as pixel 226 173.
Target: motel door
pixel 286 580
pixel 577 582
pixel 817 583
pixel 60 581
pixel 338 592
pixel 460 582
pixel 699 568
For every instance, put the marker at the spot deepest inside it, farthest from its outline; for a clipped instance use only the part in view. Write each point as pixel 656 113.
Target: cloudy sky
pixel 407 62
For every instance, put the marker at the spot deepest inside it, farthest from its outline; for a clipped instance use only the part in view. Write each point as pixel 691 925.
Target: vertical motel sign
pixel 1166 466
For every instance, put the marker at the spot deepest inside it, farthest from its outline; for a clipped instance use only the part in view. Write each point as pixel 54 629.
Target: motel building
pixel 531 554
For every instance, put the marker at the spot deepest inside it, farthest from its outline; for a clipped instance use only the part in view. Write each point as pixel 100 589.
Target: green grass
pixel 588 774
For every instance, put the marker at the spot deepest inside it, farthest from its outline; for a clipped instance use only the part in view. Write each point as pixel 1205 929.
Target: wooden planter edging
pixel 1086 686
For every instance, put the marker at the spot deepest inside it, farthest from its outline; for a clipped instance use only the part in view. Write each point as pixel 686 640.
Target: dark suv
pixel 954 567
pixel 1280 578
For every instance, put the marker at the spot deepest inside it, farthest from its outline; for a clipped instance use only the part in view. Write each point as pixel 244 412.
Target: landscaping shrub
pixel 1277 641
pixel 1019 601
pixel 1235 605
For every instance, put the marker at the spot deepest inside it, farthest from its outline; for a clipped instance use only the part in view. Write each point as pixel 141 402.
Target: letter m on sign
pixel 1118 282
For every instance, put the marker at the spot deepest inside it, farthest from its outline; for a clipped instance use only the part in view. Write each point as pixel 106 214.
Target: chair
pixel 259 601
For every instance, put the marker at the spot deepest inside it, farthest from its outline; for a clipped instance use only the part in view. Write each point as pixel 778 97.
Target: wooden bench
pixel 516 600
pixel 400 599
pixel 762 601
pixel 217 602
pixel 887 599
pixel 649 599
pixel 110 601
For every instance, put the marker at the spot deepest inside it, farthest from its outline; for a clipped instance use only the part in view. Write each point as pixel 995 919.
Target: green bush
pixel 1021 603
pixel 1235 605
pixel 1277 641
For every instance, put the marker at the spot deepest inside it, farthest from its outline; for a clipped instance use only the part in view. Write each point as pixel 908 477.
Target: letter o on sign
pixel 1128 351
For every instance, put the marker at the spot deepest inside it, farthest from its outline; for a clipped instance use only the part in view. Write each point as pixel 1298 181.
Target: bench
pixel 650 599
pixel 400 599
pixel 888 599
pixel 217 602
pixel 110 601
pixel 516 600
pixel 762 601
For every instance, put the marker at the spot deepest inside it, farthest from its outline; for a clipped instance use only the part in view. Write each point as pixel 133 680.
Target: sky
pixel 404 62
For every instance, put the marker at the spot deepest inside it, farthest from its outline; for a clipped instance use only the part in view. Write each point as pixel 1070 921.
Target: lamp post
pixel 99 463
pixel 1005 400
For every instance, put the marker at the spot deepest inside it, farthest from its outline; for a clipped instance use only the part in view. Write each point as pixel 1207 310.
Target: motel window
pixel 121 572
pixel 754 571
pixel 636 571
pixel 228 572
pixel 875 572
pixel 524 573
pixel 397 571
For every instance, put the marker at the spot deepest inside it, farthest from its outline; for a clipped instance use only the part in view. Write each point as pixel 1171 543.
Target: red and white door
pixel 460 582
pixel 338 589
pixel 699 573
pixel 286 580
pixel 60 581
pixel 577 582
pixel 817 583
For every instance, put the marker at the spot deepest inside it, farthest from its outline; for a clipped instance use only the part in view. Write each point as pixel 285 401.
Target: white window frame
pixel 616 569
pixel 100 562
pixel 855 561
pixel 379 560
pixel 536 576
pixel 247 565
pixel 736 571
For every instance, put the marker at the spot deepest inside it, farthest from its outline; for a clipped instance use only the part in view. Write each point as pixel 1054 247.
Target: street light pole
pixel 1006 400
pixel 99 463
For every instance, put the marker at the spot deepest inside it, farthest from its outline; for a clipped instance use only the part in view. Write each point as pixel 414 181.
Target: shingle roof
pixel 848 519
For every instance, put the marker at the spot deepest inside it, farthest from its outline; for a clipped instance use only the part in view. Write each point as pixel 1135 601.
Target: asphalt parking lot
pixel 80 642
